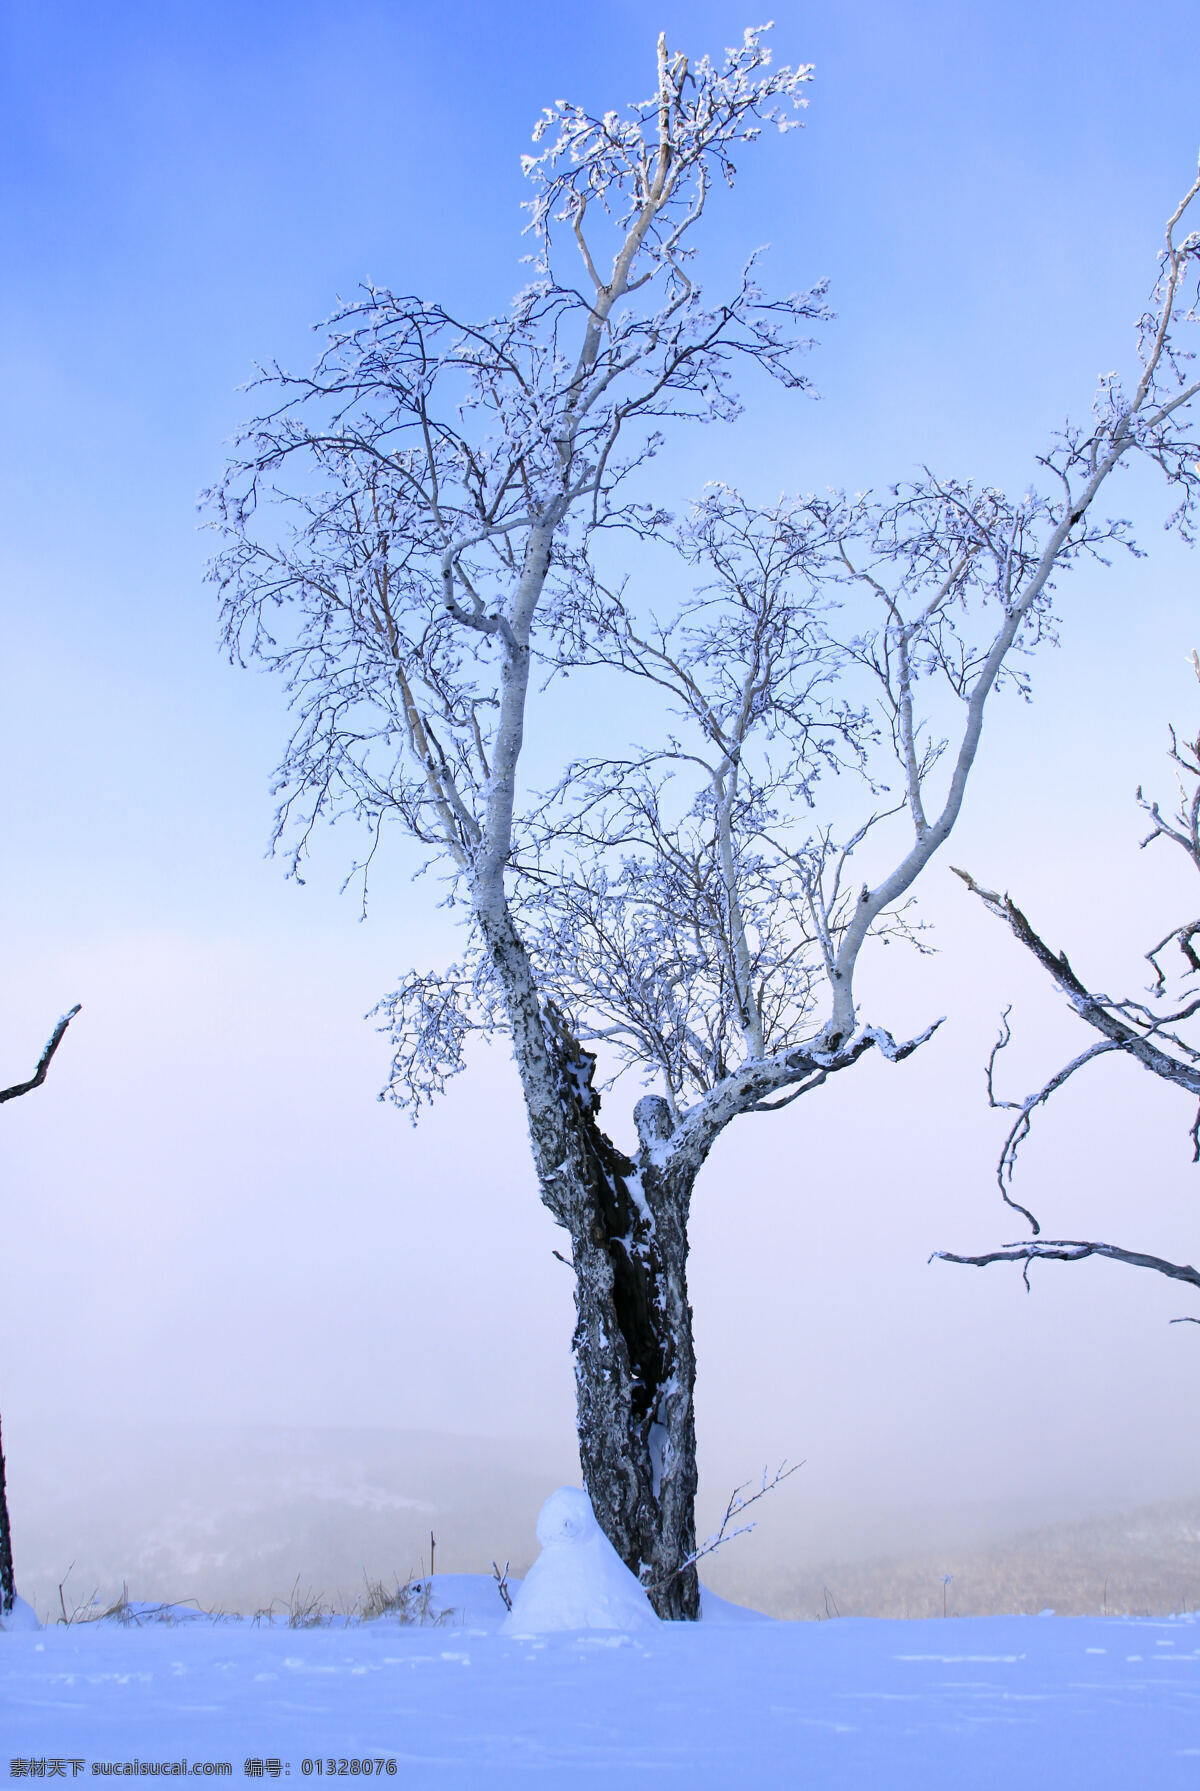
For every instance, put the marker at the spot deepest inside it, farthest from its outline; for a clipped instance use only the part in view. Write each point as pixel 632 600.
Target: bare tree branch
pixel 738 1502
pixel 1072 1250
pixel 43 1064
pixel 1130 1027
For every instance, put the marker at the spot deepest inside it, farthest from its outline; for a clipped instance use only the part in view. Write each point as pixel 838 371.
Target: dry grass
pixel 306 1610
pixel 121 1610
pixel 404 1601
pixel 408 1601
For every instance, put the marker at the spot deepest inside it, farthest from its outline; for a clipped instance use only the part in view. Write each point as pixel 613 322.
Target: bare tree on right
pixel 1162 1034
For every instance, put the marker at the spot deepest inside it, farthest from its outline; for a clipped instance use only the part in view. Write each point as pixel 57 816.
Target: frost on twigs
pixel 670 144
pixel 429 1019
pixel 406 524
pixel 740 1500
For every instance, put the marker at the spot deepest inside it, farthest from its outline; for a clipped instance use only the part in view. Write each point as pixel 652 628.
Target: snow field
pixel 970 1703
pixel 581 1684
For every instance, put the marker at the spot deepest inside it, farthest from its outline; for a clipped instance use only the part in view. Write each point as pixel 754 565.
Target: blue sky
pixel 187 188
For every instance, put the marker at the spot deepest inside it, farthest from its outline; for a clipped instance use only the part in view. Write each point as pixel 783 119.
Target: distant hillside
pixel 234 1517
pixel 1144 1562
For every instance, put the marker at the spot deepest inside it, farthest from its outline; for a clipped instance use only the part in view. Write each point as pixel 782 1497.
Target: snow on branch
pixel 44 1061
pixel 425 521
pixel 657 158
pixel 1071 1250
pixel 429 1019
pixel 407 522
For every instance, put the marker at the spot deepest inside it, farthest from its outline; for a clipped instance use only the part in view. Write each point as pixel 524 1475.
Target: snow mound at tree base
pixel 578 1581
pixel 22 1616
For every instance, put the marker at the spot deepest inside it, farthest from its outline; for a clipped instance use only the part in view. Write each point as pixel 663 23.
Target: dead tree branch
pixel 1149 1035
pixel 43 1064
pixel 1073 1250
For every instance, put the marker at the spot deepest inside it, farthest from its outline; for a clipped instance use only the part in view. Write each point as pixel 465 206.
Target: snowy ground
pixel 969 1702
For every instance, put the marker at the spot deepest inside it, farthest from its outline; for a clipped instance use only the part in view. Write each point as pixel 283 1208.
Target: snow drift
pixel 578 1581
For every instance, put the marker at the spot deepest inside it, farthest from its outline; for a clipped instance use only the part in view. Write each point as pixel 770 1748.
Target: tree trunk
pixel 635 1366
pixel 8 1588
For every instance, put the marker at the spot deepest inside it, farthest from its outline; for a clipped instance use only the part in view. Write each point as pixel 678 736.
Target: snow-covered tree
pixel 435 524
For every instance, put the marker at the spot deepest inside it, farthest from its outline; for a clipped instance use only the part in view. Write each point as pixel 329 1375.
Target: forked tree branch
pixel 1115 1020
pixel 1072 1250
pixel 1126 1026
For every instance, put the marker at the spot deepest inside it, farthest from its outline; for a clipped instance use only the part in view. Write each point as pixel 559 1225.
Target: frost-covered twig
pixel 739 1501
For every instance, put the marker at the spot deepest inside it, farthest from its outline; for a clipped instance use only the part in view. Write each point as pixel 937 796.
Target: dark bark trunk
pixel 635 1365
pixel 8 1589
